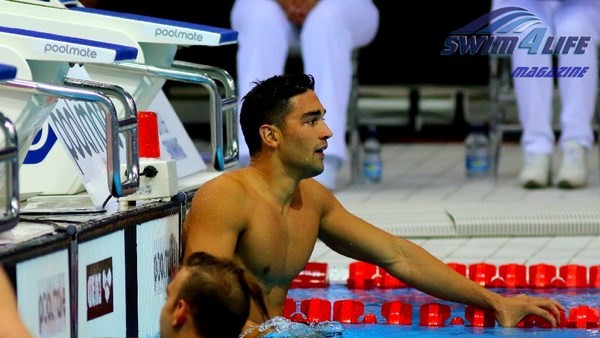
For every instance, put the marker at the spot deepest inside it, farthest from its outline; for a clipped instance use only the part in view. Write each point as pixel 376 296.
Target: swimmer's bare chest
pixel 276 246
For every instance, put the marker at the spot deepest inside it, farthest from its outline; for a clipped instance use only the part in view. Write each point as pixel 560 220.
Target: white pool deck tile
pixel 426 197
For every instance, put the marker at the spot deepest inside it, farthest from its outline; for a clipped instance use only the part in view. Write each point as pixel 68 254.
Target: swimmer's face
pixel 305 134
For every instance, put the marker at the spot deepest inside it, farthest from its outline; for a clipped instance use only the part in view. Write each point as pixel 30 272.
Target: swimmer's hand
pixel 510 310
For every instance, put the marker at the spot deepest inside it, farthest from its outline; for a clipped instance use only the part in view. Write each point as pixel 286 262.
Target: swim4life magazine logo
pixel 508 29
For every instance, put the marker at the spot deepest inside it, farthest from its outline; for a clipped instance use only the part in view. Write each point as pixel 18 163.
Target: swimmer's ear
pixel 270 135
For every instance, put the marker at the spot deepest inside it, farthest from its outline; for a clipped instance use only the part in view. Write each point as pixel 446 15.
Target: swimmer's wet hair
pixel 219 293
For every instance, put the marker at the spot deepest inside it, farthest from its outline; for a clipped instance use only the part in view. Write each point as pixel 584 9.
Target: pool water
pixel 373 298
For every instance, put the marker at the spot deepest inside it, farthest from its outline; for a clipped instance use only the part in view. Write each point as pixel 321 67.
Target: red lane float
pixel 347 311
pixel 314 275
pixel 363 275
pixel 479 317
pixel 514 275
pixel 583 317
pixel 575 276
pixel 289 307
pixel 316 310
pixel 594 277
pixel 433 314
pixel 482 273
pixel 397 312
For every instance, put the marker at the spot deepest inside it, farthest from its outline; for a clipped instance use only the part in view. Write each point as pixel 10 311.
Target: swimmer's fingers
pixel 510 310
pixel 552 307
pixel 547 308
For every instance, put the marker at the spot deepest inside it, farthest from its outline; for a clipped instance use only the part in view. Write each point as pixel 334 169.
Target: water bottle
pixel 372 164
pixel 477 159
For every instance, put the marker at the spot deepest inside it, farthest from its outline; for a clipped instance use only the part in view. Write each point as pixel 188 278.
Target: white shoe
pixel 536 170
pixel 329 175
pixel 573 170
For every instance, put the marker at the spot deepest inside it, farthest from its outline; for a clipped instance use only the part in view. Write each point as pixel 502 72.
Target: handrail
pixel 127 125
pixel 115 184
pixel 222 156
pixel 10 155
pixel 229 106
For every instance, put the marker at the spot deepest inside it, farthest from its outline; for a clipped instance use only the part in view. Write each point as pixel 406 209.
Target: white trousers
pixel 332 30
pixel 577 94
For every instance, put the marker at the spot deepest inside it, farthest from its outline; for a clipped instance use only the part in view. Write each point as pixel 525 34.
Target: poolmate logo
pixel 178 34
pixel 67 49
pixel 504 30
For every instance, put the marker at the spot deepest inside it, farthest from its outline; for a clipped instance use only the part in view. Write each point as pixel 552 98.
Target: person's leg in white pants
pixel 535 95
pixel 264 35
pixel 332 30
pixel 577 18
pixel 534 101
pixel 578 94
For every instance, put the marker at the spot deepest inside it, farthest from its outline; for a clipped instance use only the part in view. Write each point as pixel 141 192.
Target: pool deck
pixel 426 197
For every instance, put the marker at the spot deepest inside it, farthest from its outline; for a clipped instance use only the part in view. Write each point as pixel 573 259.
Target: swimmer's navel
pixel 266 270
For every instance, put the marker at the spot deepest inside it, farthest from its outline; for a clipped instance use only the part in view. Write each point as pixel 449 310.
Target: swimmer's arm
pixel 358 239
pixel 11 324
pixel 215 218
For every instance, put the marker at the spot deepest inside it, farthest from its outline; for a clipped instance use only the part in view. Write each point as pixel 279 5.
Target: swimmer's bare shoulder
pixel 217 215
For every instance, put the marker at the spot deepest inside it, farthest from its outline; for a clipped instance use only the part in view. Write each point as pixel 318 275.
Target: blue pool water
pixel 373 298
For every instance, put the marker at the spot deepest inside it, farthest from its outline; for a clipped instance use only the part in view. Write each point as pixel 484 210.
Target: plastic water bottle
pixel 372 164
pixel 477 159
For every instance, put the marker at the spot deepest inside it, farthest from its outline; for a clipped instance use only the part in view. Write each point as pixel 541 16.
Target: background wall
pixel 406 49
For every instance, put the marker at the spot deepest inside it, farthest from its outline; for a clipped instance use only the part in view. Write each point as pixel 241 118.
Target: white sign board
pixel 43 295
pixel 101 287
pixel 157 262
